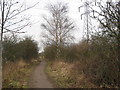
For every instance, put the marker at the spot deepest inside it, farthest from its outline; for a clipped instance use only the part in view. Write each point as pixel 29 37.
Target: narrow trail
pixel 38 78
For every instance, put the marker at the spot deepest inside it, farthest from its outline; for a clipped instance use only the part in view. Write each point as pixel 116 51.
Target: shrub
pixel 99 60
pixel 14 49
pixel 50 52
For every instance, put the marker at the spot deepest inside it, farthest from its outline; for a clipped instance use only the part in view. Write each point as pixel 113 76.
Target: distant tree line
pixel 15 48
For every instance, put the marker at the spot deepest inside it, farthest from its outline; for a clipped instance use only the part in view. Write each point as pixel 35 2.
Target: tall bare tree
pixel 59 26
pixel 11 18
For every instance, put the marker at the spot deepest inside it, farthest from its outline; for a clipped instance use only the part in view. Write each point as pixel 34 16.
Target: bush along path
pixel 38 78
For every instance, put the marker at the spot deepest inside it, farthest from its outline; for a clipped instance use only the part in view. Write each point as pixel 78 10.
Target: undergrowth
pixel 16 74
pixel 65 75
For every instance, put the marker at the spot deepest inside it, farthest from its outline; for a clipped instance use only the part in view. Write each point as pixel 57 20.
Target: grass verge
pixel 16 74
pixel 66 75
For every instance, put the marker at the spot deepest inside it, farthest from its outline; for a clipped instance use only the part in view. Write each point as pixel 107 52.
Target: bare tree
pixel 109 19
pixel 58 27
pixel 11 18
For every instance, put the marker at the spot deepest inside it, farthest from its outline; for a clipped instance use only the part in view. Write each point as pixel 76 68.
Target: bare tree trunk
pixel 1 37
pixel 1 63
pixel 57 53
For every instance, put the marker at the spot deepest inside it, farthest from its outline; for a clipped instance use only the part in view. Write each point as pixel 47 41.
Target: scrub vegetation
pixel 16 74
pixel 94 61
pixel 19 59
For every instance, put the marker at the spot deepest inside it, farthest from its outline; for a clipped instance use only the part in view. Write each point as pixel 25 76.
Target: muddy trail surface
pixel 38 78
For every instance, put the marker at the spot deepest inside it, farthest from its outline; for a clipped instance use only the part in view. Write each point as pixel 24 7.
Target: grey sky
pixel 40 10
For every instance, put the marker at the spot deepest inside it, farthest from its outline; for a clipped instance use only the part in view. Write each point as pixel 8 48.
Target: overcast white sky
pixel 40 10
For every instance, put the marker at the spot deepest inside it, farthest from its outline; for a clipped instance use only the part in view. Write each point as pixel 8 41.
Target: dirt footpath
pixel 39 78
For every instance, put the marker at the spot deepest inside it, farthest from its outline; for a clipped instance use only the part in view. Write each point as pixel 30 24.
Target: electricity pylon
pixel 87 24
pixel 87 20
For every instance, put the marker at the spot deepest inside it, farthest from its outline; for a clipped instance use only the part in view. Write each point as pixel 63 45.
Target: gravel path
pixel 39 78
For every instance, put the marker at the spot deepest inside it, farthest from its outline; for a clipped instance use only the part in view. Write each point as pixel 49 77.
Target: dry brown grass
pixel 15 74
pixel 10 67
pixel 67 75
